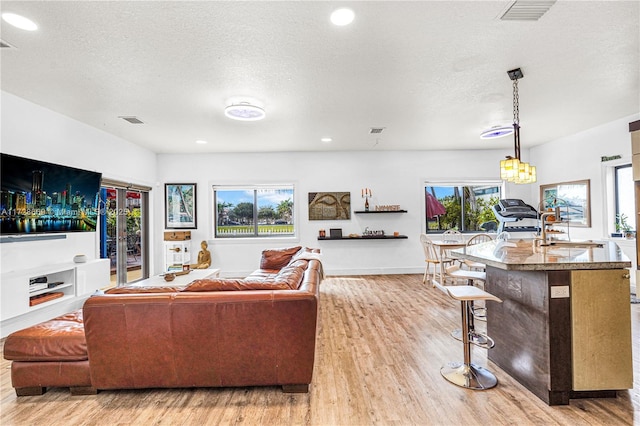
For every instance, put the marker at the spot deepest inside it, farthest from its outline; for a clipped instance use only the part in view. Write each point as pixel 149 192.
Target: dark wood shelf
pixel 379 211
pixel 374 237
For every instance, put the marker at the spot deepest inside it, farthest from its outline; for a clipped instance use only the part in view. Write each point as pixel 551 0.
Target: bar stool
pixel 467 374
pixel 471 277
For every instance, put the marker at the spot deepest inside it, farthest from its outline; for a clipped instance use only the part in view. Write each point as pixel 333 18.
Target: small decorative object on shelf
pixel 366 194
pixel 335 232
pixel 322 233
pixel 368 233
pixel 388 208
pixel 80 258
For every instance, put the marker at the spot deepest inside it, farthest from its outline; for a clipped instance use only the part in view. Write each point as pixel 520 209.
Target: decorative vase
pixel 366 204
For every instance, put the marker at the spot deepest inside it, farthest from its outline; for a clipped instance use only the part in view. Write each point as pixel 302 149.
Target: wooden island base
pixel 563 329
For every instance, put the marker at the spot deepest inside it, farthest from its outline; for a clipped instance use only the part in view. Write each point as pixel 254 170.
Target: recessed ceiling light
pixel 19 21
pixel 326 140
pixel 201 142
pixel 342 17
pixel 244 111
pixel 496 132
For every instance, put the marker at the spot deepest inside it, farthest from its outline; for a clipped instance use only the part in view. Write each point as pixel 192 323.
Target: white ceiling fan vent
pixel 5 45
pixel 527 10
pixel 376 130
pixel 132 120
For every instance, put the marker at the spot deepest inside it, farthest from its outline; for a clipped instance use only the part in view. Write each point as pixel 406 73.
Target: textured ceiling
pixel 432 73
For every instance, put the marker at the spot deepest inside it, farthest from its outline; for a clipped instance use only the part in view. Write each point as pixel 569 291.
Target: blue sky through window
pixel 441 191
pixel 266 197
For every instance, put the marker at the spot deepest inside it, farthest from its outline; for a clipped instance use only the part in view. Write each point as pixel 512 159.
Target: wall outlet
pixel 560 292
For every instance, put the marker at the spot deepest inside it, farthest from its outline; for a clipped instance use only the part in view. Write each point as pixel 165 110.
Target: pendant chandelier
pixel 511 168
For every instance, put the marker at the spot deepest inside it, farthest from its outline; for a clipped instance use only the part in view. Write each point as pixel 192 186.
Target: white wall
pixel 31 131
pixel 578 157
pixel 395 178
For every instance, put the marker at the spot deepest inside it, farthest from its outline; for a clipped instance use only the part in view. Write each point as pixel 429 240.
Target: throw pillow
pixel 277 258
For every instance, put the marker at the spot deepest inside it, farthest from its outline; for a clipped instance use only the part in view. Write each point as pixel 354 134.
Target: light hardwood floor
pixel 381 343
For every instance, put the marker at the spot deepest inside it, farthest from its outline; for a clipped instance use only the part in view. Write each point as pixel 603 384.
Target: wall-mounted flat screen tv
pixel 38 197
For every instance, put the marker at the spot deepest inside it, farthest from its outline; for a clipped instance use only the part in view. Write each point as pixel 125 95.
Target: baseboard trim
pixel 344 271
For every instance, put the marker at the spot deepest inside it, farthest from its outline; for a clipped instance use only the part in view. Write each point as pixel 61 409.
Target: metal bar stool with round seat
pixel 466 374
pixel 472 278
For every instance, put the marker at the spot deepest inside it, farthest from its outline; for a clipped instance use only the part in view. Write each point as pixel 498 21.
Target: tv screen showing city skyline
pixel 42 197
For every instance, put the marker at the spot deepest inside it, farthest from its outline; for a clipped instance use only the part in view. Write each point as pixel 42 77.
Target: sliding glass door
pixel 124 233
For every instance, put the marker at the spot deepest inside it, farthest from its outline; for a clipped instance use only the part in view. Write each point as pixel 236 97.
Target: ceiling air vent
pixel 132 120
pixel 376 130
pixel 5 45
pixel 527 10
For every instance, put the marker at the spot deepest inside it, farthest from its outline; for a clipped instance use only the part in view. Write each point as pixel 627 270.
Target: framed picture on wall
pixel 180 206
pixel 329 205
pixel 572 199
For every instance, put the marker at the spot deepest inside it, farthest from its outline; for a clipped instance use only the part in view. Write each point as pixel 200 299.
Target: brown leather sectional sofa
pixel 257 331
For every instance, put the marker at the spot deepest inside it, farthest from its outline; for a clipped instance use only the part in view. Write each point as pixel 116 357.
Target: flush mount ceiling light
pixel 244 111
pixel 512 169
pixel 342 17
pixel 326 140
pixel 496 132
pixel 19 21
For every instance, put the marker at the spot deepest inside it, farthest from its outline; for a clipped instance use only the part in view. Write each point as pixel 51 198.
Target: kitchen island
pixel 563 329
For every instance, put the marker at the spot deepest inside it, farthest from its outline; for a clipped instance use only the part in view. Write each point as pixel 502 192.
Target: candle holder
pixel 366 194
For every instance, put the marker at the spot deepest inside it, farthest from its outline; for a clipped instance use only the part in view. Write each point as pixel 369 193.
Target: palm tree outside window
pixel 464 207
pixel 260 211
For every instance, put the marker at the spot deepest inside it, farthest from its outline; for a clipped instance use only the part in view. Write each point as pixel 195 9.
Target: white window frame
pixel 253 237
pixel 609 194
pixel 466 182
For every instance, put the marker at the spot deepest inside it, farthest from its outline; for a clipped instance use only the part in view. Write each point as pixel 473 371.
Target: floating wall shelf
pixel 379 211
pixel 373 237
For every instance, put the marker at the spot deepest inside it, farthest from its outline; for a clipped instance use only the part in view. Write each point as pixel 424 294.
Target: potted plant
pixel 623 227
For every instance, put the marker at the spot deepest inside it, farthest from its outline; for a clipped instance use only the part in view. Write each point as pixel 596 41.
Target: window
pixel 624 198
pixel 255 211
pixel 464 207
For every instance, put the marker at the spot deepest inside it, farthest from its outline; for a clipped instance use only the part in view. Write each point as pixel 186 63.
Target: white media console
pixel 29 296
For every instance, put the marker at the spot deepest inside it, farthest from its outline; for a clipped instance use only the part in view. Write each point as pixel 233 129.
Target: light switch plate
pixel 560 292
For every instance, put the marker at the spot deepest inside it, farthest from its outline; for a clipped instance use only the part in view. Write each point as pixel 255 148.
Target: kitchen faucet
pixel 543 229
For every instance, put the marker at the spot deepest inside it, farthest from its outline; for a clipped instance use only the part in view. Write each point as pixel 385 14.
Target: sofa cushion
pixel 138 290
pixel 277 258
pixel 292 273
pixel 231 284
pixel 262 274
pixel 59 339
